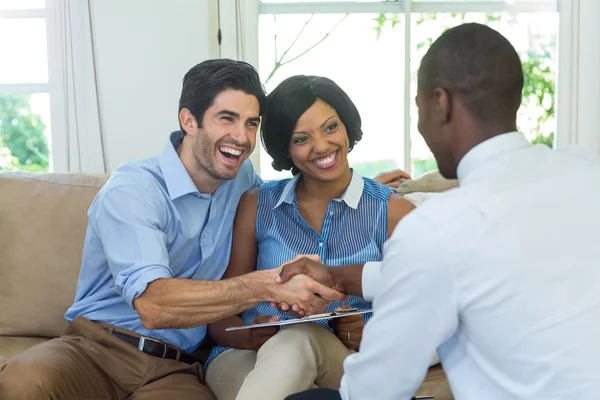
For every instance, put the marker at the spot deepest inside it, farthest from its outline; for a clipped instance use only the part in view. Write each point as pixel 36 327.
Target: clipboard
pixel 310 318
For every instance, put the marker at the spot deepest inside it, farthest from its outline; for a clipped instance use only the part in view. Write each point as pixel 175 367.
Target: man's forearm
pixel 185 303
pixel 349 278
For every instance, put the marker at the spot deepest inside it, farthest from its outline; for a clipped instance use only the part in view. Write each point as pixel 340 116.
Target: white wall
pixel 143 49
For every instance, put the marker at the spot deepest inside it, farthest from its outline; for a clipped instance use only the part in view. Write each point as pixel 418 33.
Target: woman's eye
pixel 331 127
pixel 300 140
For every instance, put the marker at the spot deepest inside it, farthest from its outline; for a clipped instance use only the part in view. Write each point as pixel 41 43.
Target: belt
pixel 155 348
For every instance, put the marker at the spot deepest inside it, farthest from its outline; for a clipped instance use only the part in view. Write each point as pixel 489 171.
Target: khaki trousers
pixel 297 358
pixel 87 362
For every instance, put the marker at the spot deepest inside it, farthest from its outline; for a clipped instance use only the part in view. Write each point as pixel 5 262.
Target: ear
pixel 442 102
pixel 188 121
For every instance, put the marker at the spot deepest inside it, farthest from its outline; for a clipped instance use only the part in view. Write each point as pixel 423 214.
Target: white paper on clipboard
pixel 310 318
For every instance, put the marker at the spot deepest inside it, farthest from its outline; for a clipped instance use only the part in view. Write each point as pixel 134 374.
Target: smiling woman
pixel 320 108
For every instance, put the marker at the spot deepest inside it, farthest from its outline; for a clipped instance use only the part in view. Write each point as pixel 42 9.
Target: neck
pixel 479 133
pixel 326 191
pixel 204 181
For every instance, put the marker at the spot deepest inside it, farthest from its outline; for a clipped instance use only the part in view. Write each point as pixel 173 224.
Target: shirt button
pixel 331 213
pixel 320 244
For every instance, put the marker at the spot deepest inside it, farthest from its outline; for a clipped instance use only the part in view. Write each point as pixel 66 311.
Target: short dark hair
pixel 479 66
pixel 203 82
pixel 286 104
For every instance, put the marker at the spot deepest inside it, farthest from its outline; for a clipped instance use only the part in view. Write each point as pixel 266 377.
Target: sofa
pixel 43 219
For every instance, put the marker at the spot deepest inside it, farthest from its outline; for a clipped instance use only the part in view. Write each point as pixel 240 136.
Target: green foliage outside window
pixel 23 143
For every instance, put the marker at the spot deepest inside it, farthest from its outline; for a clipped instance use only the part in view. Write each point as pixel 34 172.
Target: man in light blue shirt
pixel 157 243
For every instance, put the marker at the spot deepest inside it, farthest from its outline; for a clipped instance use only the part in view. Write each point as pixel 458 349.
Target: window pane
pixel 25 132
pixel 370 69
pixel 534 36
pixel 312 1
pixel 22 4
pixel 23 46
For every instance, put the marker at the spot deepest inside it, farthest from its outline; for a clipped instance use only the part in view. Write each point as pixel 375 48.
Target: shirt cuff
pixel 133 285
pixel 371 280
pixel 344 389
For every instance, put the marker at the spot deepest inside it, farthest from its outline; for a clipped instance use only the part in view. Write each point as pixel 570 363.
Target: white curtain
pixel 77 140
pixel 579 81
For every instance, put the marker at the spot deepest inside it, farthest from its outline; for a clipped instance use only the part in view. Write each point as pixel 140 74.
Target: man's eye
pixel 227 119
pixel 253 124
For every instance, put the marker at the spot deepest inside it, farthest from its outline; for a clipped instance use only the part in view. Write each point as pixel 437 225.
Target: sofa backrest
pixel 43 219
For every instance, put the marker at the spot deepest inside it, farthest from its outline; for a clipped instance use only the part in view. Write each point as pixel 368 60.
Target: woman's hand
pixel 348 329
pixel 259 336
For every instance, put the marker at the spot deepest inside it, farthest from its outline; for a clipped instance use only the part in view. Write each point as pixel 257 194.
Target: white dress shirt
pixel 501 276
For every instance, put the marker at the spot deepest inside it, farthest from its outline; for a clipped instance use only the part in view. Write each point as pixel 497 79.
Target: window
pixel 24 93
pixel 372 49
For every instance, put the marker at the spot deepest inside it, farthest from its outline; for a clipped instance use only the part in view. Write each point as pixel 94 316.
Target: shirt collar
pixel 177 179
pixel 351 196
pixel 489 148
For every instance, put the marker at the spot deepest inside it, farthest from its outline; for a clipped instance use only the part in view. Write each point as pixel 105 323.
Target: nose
pixel 321 145
pixel 238 133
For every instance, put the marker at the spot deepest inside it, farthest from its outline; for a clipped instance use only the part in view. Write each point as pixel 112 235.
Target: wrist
pixel 338 277
pixel 266 285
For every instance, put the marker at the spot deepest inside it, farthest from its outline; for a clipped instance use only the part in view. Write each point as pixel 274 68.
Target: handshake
pixel 304 286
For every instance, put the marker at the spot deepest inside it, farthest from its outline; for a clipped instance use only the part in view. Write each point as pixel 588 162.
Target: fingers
pixel 389 176
pixel 290 270
pixel 296 311
pixel 313 304
pixel 353 343
pixel 327 293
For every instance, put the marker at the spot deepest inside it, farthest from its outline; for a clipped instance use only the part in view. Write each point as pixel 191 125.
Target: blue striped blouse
pixel 353 232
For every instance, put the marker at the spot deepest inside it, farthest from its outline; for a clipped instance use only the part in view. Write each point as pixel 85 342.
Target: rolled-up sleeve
pixel 130 224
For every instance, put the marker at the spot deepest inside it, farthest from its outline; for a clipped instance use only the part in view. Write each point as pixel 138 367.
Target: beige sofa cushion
pixel 43 218
pixel 429 182
pixel 11 346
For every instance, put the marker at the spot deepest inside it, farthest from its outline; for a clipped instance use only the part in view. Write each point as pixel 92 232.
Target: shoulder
pixel 398 206
pixel 133 183
pixel 247 176
pixel 449 215
pixel 275 186
pixel 249 198
pixel 376 190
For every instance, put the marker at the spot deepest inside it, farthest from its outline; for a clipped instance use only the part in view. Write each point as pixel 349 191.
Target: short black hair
pixel 203 82
pixel 286 104
pixel 479 66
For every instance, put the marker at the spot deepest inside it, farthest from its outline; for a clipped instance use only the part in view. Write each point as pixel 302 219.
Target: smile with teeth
pixel 230 152
pixel 327 160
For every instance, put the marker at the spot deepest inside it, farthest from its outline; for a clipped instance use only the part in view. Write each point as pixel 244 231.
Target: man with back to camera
pixel 500 275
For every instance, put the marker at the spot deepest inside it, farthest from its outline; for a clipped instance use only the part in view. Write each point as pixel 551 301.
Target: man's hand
pixel 306 294
pixel 305 265
pixel 392 178
pixel 348 329
pixel 308 265
pixel 259 336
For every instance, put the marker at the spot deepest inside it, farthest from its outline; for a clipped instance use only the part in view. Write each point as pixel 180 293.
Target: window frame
pixel 57 139
pixel 240 39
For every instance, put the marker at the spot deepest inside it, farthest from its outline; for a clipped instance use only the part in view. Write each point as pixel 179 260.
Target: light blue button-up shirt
pixel 150 222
